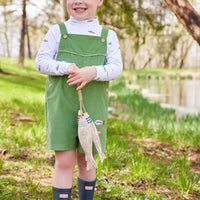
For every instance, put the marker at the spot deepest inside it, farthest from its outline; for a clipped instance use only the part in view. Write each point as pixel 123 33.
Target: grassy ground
pixel 150 155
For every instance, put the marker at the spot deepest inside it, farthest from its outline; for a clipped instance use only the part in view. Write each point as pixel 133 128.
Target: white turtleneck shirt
pixel 46 58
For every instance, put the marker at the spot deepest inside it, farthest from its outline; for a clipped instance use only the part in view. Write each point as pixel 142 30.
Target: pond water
pixel 182 95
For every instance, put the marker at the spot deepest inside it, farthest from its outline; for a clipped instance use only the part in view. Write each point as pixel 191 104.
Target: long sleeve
pixel 46 58
pixel 113 67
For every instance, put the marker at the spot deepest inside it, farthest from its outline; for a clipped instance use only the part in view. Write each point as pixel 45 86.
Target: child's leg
pixel 89 175
pixel 86 179
pixel 63 175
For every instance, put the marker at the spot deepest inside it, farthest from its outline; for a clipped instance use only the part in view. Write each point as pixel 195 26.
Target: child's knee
pixel 65 160
pixel 63 165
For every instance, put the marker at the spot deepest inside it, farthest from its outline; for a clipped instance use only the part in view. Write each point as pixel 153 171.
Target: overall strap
pixel 63 28
pixel 104 32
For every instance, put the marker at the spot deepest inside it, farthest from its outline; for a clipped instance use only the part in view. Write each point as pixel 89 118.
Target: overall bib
pixel 62 104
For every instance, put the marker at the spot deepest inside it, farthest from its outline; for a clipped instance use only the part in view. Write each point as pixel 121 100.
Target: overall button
pixel 103 39
pixel 65 36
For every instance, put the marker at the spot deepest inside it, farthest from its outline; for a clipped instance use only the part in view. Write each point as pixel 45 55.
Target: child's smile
pixel 80 9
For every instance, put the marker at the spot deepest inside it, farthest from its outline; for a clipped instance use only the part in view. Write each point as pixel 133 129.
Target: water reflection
pixel 183 95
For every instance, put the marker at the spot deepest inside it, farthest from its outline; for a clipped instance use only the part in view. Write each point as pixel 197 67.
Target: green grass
pixel 148 150
pixel 161 74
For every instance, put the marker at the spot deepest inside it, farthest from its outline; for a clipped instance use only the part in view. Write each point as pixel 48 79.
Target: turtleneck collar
pixel 93 21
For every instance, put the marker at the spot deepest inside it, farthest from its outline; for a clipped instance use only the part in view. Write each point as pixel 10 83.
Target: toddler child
pixel 77 54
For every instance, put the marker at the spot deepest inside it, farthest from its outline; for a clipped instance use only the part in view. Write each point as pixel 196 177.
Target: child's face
pixel 83 9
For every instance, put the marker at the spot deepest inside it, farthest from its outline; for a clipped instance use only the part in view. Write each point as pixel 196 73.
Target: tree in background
pixel 143 28
pixel 187 16
pixel 28 38
pixel 23 32
pixel 6 13
pixel 143 22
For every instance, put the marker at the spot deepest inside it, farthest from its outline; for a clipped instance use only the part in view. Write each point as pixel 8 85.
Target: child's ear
pixel 100 3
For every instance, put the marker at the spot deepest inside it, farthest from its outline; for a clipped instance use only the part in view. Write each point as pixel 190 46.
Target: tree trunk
pixel 23 31
pixel 5 13
pixel 146 63
pixel 28 40
pixel 187 15
pixel 184 54
pixel 64 13
pixel 139 8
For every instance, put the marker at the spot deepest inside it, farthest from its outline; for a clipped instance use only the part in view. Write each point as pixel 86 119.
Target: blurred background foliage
pixel 149 33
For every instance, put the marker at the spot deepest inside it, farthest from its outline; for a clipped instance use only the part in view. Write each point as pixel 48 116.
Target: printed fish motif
pixel 99 122
pixel 85 138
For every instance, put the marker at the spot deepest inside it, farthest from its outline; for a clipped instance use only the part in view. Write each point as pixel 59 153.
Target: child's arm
pixel 46 58
pixel 114 66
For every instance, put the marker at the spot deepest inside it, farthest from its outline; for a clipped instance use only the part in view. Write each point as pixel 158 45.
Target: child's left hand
pixel 82 76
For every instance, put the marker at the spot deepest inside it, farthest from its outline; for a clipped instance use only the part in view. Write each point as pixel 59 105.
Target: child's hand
pixel 72 69
pixel 82 76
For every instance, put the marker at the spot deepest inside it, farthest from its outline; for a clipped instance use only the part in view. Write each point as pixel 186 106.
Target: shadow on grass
pixel 4 73
pixel 32 158
pixel 25 81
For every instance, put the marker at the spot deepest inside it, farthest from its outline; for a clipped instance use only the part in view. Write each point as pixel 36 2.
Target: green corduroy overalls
pixel 62 104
